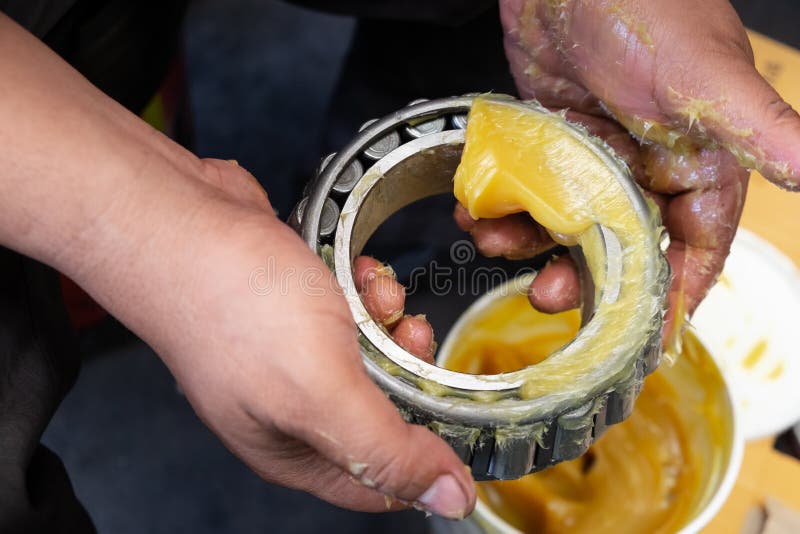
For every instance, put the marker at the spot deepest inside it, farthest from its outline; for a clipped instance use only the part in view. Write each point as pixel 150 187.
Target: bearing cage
pixel 496 434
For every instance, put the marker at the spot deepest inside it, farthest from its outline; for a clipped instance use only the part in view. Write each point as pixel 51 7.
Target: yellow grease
pixel 755 355
pixel 698 113
pixel 697 109
pixel 656 132
pixel 646 475
pixel 724 281
pixel 519 158
pixel 680 322
pixel 777 372
pixel 637 28
pixel 494 344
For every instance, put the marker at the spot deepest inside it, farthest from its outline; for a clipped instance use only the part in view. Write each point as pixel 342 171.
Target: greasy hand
pixel 679 75
pixel 250 322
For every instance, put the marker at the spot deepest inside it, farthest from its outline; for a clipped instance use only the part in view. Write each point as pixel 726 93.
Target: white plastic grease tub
pixel 720 454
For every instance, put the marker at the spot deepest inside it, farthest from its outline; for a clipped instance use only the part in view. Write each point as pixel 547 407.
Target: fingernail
pixel 445 498
pixel 393 318
pixel 384 269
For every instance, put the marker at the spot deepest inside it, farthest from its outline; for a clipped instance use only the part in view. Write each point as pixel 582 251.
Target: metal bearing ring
pixel 486 420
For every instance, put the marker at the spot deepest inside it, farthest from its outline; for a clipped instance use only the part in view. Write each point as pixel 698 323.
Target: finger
pixel 344 490
pixel 616 136
pixel 556 287
pixel 463 219
pixel 367 267
pixel 660 200
pixel 717 95
pixel 706 189
pixel 543 75
pixel 702 225
pixel 737 108
pixel 669 76
pixel 348 420
pixel 236 182
pixel 514 237
pixel 383 296
pixel 539 68
pixel 415 334
pixel 291 463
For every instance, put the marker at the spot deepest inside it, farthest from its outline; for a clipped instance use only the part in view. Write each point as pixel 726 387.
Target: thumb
pixel 349 421
pixel 727 101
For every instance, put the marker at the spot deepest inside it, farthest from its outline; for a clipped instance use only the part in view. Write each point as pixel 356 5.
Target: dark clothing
pixel 124 48
pixel 37 16
pixel 38 364
pixel 392 62
pixel 447 12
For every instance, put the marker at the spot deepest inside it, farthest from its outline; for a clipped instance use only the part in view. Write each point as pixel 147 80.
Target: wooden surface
pixel 765 472
pixel 770 212
pixel 774 215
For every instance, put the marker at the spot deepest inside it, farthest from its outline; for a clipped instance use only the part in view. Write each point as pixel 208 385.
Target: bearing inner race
pixel 416 170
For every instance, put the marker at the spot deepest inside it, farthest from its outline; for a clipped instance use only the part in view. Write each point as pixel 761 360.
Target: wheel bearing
pixel 483 417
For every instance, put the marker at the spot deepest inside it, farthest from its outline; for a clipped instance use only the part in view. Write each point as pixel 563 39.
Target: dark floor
pixel 261 74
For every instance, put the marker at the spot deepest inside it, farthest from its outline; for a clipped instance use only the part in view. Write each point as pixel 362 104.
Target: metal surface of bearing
pixel 348 179
pixel 495 431
pixel 328 219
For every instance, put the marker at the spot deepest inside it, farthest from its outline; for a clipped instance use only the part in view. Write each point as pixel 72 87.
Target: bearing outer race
pixel 490 437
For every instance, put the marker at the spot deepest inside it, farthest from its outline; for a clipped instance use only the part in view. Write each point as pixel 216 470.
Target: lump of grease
pixel 648 474
pixel 518 157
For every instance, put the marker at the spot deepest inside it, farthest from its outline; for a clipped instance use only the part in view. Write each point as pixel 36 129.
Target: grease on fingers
pixel 384 298
pixel 515 237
